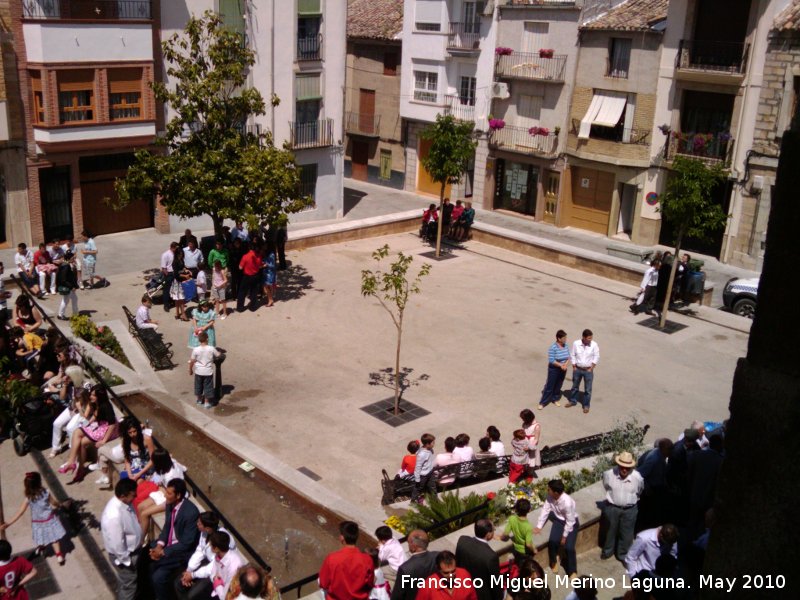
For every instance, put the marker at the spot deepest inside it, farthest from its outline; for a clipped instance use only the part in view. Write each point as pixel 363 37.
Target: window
pixel 619 58
pixel 125 94
pixel 308 183
pixel 308 37
pixel 472 17
pixel 425 86
pixel 386 165
pixel 529 110
pixel 76 95
pixel 428 15
pixel 390 62
pixel 232 13
pixel 535 37
pixel 38 98
pixel 467 91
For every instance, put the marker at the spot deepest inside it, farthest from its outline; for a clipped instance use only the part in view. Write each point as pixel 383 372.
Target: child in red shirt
pixel 14 574
pixel 409 462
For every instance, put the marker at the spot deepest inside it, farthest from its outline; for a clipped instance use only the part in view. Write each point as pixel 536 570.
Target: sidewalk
pixel 140 250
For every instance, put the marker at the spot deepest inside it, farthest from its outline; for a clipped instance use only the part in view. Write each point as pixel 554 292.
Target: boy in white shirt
pixel 143 320
pixel 201 366
pixel 389 549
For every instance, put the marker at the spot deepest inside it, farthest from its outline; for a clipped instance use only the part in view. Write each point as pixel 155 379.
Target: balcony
pixel 316 134
pixel 95 10
pixel 530 65
pixel 542 4
pixel 309 48
pixel 621 135
pixel 708 148
pixel 464 39
pixel 366 124
pixel 455 107
pixel 712 62
pixel 519 139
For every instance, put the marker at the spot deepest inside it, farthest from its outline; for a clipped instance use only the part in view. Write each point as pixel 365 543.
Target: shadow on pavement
pixel 293 283
pixel 351 199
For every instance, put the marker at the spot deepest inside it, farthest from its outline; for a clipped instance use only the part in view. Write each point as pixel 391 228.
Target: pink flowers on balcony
pixel 546 53
pixel 503 51
pixel 539 131
pixel 496 124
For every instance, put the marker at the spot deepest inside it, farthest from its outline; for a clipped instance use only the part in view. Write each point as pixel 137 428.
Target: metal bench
pixel 158 353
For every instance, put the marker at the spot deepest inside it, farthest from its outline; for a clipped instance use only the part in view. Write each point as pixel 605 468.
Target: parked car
pixel 741 296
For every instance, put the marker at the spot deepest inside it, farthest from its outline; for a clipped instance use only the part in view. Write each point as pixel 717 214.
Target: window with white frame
pixel 425 86
pixel 428 15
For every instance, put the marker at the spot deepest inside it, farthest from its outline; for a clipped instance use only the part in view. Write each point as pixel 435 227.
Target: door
pixel 100 218
pixel 517 187
pixel 425 184
pixel 366 111
pixel 386 165
pixel 360 159
pixel 56 194
pixel 551 196
pixel 590 204
pixel 627 206
pixel 535 36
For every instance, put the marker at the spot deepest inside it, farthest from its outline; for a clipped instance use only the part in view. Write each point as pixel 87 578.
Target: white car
pixel 740 296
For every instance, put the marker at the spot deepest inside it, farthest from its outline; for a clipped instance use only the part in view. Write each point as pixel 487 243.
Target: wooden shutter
pixel 75 80
pixel 36 81
pixel 309 7
pixel 124 81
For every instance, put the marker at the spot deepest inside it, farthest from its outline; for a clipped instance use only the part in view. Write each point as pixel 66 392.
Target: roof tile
pixel 632 15
pixel 789 18
pixel 374 19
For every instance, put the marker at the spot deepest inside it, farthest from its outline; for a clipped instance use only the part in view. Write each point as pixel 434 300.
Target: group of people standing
pixel 653 288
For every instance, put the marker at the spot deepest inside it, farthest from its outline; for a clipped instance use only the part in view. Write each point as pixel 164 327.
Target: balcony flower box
pixel 539 131
pixel 546 53
pixel 496 124
pixel 503 51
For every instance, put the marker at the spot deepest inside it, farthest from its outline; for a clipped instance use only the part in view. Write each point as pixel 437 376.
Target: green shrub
pixel 101 338
pixel 442 507
pixel 107 376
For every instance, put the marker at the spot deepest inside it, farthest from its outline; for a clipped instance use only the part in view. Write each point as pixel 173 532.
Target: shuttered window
pixel 38 97
pixel 76 95
pixel 428 15
pixel 125 94
pixel 307 87
pixel 309 7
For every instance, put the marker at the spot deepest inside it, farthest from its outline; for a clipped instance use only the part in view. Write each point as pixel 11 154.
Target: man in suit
pixel 170 554
pixel 476 556
pixel 421 565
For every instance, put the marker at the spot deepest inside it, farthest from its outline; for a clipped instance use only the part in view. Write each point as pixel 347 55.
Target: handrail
pixel 129 413
pixel 99 10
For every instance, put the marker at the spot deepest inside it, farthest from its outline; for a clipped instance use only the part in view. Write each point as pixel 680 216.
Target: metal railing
pixel 197 491
pixel 464 36
pixel 315 134
pixel 722 57
pixel 706 147
pixel 529 65
pixel 455 107
pixel 519 139
pixel 621 135
pixel 309 48
pixel 543 3
pixel 363 123
pixel 87 9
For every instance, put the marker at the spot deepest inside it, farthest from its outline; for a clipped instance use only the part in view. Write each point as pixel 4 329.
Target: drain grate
pixel 309 473
pixel 670 327
pixel 383 410
pixel 443 255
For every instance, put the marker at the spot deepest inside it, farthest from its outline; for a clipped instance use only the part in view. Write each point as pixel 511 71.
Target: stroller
pixel 154 287
pixel 33 425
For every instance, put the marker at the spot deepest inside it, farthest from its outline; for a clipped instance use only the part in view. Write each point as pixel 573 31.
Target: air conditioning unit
pixel 500 90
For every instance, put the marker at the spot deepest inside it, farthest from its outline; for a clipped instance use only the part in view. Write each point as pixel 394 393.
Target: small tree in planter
pixel 392 288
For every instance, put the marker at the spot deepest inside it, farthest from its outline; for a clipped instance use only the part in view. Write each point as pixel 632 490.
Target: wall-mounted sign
pixel 585 182
pixel 651 198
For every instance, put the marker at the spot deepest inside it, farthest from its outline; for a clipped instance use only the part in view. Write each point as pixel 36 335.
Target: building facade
pixel 374 149
pixel 84 70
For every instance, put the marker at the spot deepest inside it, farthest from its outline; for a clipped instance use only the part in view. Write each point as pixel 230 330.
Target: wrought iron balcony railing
pixel 309 48
pixel 103 10
pixel 519 139
pixel 722 57
pixel 710 148
pixel 530 65
pixel 315 134
pixel 363 123
pixel 464 36
pixel 454 105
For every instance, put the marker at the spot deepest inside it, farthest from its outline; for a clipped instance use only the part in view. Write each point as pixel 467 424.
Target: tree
pixel 210 164
pixel 452 146
pixel 392 288
pixel 688 206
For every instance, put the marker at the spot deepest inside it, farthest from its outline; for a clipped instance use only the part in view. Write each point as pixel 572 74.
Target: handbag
pixel 64 290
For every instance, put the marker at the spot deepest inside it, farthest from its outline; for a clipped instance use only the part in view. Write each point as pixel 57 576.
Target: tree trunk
pixel 756 517
pixel 217 220
pixel 663 320
pixel 439 223
pixel 397 366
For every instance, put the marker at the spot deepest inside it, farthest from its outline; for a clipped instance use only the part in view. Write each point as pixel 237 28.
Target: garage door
pixel 426 185
pixel 99 217
pixel 590 204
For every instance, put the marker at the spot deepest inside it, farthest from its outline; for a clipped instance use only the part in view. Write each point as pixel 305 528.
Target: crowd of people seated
pixel 456 221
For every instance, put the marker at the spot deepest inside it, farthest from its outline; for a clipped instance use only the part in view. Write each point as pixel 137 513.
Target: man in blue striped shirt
pixel 557 361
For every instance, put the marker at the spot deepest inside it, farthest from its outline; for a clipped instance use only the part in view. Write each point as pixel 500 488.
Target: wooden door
pixel 99 217
pixel 366 111
pixel 590 204
pixel 425 184
pixel 360 159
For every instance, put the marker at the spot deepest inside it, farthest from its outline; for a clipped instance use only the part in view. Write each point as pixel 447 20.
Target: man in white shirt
pixel 647 290
pixel 169 275
pixel 122 536
pixel 195 581
pixel 648 546
pixel 239 232
pixel 193 257
pixel 560 509
pixel 585 355
pixel 225 564
pixel 71 246
pixel 23 259
pixel 624 486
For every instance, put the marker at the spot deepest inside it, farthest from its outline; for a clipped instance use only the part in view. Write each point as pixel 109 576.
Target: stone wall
pixel 781 70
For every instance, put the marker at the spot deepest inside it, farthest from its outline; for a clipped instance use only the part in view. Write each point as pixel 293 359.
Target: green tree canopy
pixel 210 164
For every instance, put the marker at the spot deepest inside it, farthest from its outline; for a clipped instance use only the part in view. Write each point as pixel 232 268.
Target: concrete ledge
pixel 354 230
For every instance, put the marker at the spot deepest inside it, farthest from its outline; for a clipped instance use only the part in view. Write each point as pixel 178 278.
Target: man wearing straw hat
pixel 624 486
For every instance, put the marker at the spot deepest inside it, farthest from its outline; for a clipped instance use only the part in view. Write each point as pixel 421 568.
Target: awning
pixel 605 110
